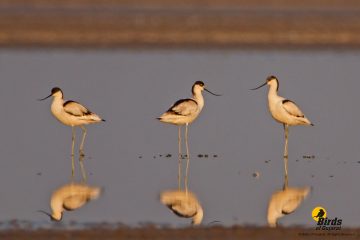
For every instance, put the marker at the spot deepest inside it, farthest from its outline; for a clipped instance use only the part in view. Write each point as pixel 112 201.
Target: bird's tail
pixel 93 117
pixel 307 121
pixel 95 192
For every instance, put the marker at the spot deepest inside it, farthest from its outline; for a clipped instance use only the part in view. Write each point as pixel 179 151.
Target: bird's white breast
pixel 276 109
pixel 58 111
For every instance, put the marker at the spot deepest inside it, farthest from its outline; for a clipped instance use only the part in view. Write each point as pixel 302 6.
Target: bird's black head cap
pixel 197 83
pixel 272 77
pixel 55 90
pixel 200 83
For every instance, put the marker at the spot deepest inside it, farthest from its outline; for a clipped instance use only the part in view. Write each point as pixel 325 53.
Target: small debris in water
pixel 39 173
pixel 168 155
pixel 200 155
pixel 214 222
pixel 154 157
pixel 312 175
pixel 256 175
pixel 296 160
pixel 309 156
pixel 160 155
pixel 331 176
pixel 140 156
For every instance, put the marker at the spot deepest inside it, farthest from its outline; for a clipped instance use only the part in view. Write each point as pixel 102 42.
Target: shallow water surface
pixel 130 88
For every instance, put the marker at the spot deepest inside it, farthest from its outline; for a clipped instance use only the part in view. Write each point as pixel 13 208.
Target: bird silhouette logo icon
pixel 318 212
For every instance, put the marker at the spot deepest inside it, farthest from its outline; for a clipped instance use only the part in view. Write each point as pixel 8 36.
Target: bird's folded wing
pixel 183 209
pixel 291 204
pixel 184 107
pixel 292 109
pixel 76 109
pixel 74 202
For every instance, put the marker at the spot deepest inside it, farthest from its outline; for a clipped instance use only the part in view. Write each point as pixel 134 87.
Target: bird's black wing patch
pixel 76 109
pixel 68 102
pixel 286 213
pixel 292 108
pixel 179 214
pixel 177 108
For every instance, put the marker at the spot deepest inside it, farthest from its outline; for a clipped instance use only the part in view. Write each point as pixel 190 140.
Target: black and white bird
pixel 283 111
pixel 69 198
pixel 183 204
pixel 72 114
pixel 184 112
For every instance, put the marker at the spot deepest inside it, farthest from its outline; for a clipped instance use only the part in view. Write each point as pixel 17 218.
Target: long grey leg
pixel 82 167
pixel 72 152
pixel 82 141
pixel 286 155
pixel 179 161
pixel 188 159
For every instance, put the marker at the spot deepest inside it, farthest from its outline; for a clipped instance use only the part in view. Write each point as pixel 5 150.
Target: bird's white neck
pixel 57 216
pixel 271 218
pixel 273 93
pixel 57 104
pixel 273 88
pixel 56 205
pixel 198 216
pixel 198 97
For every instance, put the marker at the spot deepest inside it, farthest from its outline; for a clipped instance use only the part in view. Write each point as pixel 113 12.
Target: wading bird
pixel 183 204
pixel 283 111
pixel 184 112
pixel 285 202
pixel 70 197
pixel 72 114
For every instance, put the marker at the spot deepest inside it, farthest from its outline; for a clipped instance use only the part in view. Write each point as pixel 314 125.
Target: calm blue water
pixel 130 88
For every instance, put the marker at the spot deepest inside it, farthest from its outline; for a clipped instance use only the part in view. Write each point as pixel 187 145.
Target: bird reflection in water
pixel 183 204
pixel 285 202
pixel 82 169
pixel 184 112
pixel 69 198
